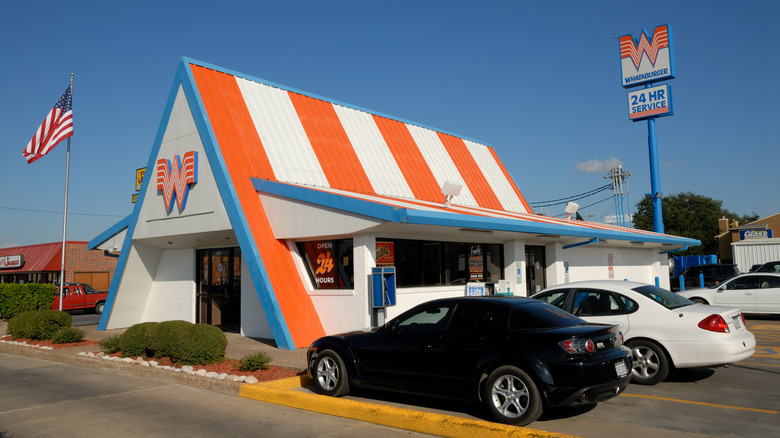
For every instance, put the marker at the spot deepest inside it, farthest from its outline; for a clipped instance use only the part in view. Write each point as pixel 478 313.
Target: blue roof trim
pixel 454 219
pixel 257 271
pixel 315 96
pixel 109 233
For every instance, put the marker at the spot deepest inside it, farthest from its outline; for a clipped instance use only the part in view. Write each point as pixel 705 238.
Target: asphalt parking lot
pixel 737 401
pixel 741 400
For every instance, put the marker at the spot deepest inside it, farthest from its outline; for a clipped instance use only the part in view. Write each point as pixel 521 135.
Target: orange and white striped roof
pixel 307 140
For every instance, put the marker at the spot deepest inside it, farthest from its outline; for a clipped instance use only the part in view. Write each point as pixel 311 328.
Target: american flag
pixel 57 126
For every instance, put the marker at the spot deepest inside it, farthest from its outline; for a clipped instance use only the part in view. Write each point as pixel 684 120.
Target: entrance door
pixel 535 263
pixel 219 288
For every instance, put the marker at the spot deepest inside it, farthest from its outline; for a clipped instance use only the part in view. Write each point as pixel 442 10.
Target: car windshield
pixel 539 316
pixel 670 300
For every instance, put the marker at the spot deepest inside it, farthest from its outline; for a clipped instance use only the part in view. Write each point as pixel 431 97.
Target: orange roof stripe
pixel 410 160
pixel 470 172
pixel 244 157
pixel 331 144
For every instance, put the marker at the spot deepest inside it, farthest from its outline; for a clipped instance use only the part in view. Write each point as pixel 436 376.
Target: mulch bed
pixel 228 366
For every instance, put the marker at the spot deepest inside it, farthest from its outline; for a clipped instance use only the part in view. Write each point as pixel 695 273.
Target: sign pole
pixel 655 178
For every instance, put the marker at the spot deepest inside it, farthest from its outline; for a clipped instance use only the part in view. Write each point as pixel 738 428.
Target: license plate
pixel 621 369
pixel 736 321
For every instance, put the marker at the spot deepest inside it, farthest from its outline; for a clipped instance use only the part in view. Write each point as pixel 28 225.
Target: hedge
pixel 38 325
pixel 17 298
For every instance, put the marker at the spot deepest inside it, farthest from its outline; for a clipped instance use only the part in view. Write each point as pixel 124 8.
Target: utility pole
pixel 620 195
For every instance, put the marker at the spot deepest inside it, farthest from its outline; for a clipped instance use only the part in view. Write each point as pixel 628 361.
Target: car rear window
pixel 670 300
pixel 540 315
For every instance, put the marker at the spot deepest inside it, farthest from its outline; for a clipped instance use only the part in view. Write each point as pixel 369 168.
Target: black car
pixel 713 273
pixel 773 267
pixel 516 355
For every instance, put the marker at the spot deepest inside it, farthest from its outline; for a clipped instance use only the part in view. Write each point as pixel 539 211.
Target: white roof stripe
pixel 374 154
pixel 495 177
pixel 284 139
pixel 440 163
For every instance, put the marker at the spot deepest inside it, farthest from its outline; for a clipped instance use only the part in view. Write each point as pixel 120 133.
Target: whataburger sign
pixel 644 61
pixel 648 59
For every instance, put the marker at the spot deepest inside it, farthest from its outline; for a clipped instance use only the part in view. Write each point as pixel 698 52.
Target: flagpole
pixel 65 211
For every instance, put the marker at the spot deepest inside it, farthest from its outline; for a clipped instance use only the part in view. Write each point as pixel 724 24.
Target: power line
pixel 571 198
pixel 60 212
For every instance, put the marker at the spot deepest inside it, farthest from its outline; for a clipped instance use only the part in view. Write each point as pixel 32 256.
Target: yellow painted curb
pixel 281 392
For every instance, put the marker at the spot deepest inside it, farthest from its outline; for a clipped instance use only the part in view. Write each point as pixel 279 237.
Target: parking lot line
pixel 758 364
pixel 690 402
pixel 767 352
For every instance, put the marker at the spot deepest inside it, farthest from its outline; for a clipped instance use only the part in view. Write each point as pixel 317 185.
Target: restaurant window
pixel 431 263
pixel 329 263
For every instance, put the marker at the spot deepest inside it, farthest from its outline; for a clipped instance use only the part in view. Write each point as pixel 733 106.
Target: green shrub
pixel 201 344
pixel 18 327
pixel 44 323
pixel 67 335
pixel 38 325
pixel 133 341
pixel 255 362
pixel 110 345
pixel 18 298
pixel 162 339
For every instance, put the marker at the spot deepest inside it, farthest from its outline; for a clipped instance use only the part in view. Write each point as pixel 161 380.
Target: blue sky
pixel 539 81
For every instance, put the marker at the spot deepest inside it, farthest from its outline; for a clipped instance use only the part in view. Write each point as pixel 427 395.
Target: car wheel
pixel 699 301
pixel 650 363
pixel 330 374
pixel 99 307
pixel 511 396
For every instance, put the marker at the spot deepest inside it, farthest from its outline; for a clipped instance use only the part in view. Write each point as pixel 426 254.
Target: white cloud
pixel 596 166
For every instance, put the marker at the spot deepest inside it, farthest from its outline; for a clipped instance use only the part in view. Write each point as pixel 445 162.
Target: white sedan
pixel 663 329
pixel 751 293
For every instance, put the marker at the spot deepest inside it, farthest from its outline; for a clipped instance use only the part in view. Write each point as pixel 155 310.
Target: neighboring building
pixel 749 244
pixel 42 264
pixel 264 209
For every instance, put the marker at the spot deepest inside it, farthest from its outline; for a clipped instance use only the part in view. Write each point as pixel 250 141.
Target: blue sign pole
pixel 655 178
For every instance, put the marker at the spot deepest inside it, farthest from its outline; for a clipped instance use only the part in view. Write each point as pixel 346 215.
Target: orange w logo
pixel 630 49
pixel 174 180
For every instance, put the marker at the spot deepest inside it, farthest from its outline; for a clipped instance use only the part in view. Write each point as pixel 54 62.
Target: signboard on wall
pixel 755 234
pixel 11 262
pixel 476 264
pixel 319 254
pixel 385 254
pixel 647 59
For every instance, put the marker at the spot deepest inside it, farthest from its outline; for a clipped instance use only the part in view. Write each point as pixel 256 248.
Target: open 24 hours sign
pixel 650 102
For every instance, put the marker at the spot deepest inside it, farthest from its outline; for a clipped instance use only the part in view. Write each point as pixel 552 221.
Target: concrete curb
pixel 283 392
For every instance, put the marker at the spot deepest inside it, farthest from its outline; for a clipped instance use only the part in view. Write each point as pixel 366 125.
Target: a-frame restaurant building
pixel 265 210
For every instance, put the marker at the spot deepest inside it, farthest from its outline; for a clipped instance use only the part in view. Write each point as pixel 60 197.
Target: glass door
pixel 535 265
pixel 219 288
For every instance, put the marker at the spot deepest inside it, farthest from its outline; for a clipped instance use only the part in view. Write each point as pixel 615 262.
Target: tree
pixel 689 215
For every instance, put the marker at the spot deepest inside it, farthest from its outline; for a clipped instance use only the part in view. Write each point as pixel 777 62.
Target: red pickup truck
pixel 80 296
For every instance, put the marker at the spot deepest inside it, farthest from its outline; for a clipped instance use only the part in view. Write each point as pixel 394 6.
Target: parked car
pixel 766 267
pixel 751 293
pixel 80 296
pixel 516 355
pixel 662 329
pixel 713 273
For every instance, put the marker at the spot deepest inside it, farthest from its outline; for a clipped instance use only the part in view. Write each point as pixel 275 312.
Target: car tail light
pixel 578 346
pixel 742 316
pixel 714 323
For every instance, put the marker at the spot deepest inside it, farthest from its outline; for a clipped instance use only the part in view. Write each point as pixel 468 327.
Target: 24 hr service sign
pixel 650 102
